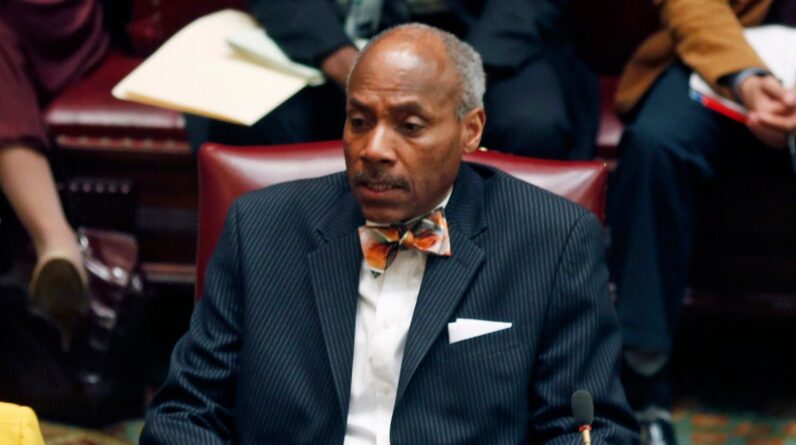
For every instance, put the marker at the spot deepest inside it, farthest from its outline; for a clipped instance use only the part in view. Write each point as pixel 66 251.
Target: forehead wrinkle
pixel 398 101
pixel 403 69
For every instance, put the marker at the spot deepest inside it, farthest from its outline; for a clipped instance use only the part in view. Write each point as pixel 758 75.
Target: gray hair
pixel 465 58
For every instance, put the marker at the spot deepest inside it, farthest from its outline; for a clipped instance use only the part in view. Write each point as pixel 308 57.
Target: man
pixel 671 145
pixel 541 100
pixel 301 338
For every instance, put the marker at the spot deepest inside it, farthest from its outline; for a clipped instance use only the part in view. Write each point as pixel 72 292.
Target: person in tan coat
pixel 671 145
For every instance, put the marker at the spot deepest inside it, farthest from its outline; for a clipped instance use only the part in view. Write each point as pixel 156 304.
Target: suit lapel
pixel 445 279
pixel 334 271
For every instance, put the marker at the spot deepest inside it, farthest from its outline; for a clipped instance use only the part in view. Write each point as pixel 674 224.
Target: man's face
pixel 403 141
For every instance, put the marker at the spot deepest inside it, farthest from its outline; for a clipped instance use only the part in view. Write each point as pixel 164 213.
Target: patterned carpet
pixel 713 428
pixel 694 427
pixel 125 433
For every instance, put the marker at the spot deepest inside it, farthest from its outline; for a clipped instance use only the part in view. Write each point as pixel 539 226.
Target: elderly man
pixel 414 299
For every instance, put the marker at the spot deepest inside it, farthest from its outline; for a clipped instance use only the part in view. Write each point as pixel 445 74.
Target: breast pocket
pixel 479 379
pixel 481 347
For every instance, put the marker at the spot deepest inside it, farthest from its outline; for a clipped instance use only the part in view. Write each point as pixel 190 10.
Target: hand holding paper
pixel 772 109
pixel 773 43
pixel 770 101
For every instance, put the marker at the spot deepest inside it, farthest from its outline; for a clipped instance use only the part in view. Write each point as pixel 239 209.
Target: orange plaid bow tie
pixel 380 245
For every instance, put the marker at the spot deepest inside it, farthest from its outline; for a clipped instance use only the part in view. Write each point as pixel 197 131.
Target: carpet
pixel 123 433
pixel 694 427
pixel 706 427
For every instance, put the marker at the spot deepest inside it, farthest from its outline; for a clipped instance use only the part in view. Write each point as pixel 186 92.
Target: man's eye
pixel 357 122
pixel 412 127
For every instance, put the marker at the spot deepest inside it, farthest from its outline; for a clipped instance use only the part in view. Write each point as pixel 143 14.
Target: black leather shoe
pixel 646 391
pixel 657 432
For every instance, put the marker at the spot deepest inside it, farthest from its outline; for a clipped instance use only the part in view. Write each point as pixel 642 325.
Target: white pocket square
pixel 467 328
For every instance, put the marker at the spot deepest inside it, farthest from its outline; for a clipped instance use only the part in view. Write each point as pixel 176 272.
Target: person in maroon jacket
pixel 45 45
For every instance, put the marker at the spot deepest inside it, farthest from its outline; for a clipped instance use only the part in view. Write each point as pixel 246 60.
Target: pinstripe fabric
pixel 269 353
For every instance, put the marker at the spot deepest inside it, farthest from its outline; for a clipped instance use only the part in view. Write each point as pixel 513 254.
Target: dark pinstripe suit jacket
pixel 268 356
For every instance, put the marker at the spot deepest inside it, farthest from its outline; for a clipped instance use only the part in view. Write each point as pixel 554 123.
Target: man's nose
pixel 379 146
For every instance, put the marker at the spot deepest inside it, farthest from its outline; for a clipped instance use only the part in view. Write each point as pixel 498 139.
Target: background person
pixel 671 146
pixel 44 47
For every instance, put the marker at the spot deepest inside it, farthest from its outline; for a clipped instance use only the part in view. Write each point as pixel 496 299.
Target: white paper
pixel 467 328
pixel 256 44
pixel 196 71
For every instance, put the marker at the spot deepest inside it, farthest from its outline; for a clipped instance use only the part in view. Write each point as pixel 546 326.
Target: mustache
pixel 371 176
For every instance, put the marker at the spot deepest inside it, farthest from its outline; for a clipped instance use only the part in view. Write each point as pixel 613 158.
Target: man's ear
pixel 472 126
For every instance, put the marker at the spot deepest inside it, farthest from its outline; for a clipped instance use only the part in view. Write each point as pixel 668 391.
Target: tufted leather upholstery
pixel 226 172
pixel 87 110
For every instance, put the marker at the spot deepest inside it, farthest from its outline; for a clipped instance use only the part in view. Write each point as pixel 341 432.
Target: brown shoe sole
pixel 58 291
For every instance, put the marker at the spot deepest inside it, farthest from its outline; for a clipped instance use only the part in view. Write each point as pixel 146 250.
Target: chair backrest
pixel 226 172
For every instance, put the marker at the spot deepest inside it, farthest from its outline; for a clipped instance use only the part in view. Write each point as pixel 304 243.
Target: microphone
pixel 583 411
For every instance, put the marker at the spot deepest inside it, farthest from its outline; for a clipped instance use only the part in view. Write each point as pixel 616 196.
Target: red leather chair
pixel 226 172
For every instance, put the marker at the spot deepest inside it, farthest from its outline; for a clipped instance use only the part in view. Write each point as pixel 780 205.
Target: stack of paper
pixel 197 71
pixel 256 45
pixel 260 48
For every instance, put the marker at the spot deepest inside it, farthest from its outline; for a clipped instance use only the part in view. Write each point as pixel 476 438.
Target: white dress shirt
pixel 384 313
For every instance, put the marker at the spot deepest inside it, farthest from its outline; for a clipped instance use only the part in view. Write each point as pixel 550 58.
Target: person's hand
pixel 772 129
pixel 772 109
pixel 337 64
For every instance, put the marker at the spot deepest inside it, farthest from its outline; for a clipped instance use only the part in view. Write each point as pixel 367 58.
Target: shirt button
pixel 386 325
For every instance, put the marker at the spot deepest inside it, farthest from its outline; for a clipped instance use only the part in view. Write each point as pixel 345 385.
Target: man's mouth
pixel 379 187
pixel 379 183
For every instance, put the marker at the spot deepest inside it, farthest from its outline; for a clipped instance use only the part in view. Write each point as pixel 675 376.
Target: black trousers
pixel 671 147
pixel 528 113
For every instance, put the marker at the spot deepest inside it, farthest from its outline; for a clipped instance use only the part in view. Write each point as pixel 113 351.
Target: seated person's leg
pixel 527 114
pixel 27 181
pixel 670 147
pixel 313 114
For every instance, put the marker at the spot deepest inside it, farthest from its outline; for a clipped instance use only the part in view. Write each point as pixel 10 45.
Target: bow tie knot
pixel 380 245
pixel 408 240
